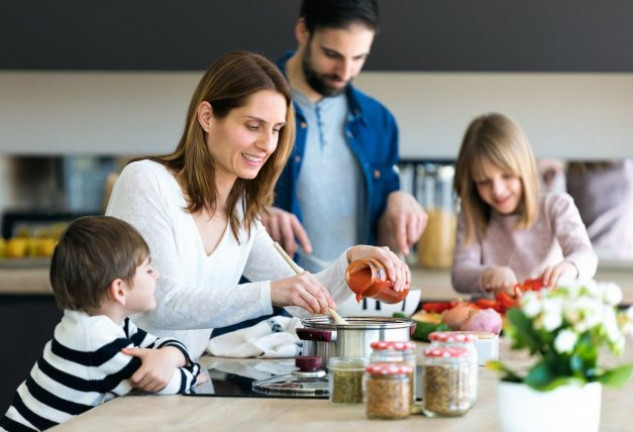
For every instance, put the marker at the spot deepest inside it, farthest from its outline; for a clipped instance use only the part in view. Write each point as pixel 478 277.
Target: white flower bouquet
pixel 566 328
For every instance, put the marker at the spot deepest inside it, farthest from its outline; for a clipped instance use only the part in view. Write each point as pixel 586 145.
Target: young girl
pixel 507 231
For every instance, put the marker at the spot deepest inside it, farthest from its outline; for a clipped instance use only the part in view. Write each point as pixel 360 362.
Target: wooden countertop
pixel 176 413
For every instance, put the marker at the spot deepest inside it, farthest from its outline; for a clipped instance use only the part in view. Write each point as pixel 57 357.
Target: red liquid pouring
pixel 368 278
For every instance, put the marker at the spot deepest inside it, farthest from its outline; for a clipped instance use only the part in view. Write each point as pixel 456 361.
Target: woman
pixel 198 208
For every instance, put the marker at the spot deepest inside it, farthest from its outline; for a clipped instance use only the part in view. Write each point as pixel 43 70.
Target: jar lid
pixel 452 336
pixel 389 368
pixel 446 352
pixel 392 345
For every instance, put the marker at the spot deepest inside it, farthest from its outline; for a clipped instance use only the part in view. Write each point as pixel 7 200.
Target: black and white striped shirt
pixel 82 367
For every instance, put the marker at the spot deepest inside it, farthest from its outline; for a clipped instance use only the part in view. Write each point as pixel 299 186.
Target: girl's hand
pixel 500 278
pixel 553 273
pixel 303 290
pixel 397 270
pixel 157 367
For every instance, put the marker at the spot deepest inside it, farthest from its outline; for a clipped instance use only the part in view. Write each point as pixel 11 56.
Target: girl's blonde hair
pixel 499 140
pixel 226 85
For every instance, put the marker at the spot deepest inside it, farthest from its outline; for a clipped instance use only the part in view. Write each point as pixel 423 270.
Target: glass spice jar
pixel 368 278
pixel 345 379
pixel 388 390
pixel 399 352
pixel 456 338
pixel 448 382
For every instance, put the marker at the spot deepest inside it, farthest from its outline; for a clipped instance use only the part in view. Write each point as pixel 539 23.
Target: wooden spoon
pixel 335 316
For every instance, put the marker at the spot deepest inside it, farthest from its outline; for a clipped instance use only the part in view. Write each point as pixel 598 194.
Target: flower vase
pixel 571 407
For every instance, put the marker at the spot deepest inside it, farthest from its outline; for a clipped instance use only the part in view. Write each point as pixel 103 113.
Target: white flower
pixel 592 288
pixel 584 313
pixel 552 315
pixel 612 293
pixel 531 304
pixel 570 286
pixel 610 324
pixel 565 341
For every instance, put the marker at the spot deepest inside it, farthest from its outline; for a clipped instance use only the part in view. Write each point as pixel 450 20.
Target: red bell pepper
pixel 438 307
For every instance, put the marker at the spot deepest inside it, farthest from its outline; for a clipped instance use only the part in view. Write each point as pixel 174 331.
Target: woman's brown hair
pixel 227 85
pixel 497 139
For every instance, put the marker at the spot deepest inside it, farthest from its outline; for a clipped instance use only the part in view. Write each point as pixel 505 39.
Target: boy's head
pixel 92 252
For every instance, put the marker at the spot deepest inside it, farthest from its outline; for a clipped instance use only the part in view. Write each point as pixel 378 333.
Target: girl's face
pixel 500 189
pixel 241 142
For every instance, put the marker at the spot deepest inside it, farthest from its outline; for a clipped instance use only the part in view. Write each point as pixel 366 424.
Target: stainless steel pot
pixel 322 337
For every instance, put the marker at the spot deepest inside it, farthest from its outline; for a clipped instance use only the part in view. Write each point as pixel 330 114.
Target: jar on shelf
pixel 388 390
pixel 398 352
pixel 345 377
pixel 368 278
pixel 447 378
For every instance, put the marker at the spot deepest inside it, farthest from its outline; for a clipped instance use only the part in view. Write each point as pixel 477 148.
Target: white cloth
pixel 274 337
pixel 196 292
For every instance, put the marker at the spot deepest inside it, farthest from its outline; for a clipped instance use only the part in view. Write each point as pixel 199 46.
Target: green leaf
pixel 524 335
pixel 540 376
pixel 508 375
pixel 618 376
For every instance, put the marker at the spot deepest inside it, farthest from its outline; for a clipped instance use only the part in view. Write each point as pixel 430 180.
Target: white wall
pixel 570 115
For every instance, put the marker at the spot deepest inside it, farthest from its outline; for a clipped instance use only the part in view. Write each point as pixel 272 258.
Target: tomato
pixel 438 307
pixel 486 303
pixel 505 300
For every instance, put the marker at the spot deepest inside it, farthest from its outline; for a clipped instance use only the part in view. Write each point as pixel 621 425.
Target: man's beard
pixel 317 81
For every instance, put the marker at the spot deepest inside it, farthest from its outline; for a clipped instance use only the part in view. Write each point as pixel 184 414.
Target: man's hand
pixel 157 367
pixel 402 223
pixel 284 227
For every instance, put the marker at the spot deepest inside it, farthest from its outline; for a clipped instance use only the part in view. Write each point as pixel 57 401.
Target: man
pixel 340 185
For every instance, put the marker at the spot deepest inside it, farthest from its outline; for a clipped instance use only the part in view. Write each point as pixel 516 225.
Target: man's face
pixel 333 57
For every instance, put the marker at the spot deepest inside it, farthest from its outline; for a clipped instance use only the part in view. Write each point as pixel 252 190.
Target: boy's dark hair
pixel 92 252
pixel 338 14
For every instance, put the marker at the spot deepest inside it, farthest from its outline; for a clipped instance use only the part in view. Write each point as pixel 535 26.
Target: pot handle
pixel 314 334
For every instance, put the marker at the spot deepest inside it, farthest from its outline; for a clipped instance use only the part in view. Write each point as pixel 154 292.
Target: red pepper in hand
pixel 505 301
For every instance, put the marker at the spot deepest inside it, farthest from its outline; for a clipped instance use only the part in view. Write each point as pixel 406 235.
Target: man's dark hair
pixel 338 14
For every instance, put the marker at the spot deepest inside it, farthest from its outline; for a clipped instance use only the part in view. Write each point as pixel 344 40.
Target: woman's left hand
pixel 397 269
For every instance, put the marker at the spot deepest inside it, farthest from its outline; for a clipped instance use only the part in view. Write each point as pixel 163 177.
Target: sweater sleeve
pixel 265 263
pixel 139 197
pixel 572 235
pixel 468 267
pixel 184 377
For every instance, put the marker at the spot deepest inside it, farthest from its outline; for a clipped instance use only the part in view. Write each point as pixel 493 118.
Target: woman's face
pixel 500 189
pixel 241 142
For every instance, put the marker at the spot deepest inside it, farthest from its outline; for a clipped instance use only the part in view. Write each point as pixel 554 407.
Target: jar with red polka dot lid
pixel 399 352
pixel 456 338
pixel 449 382
pixel 388 390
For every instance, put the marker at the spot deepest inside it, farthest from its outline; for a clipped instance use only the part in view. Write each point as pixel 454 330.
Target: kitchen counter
pixel 435 284
pixel 176 413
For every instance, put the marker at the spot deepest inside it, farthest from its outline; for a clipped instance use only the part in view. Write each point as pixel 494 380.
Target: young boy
pixel 100 273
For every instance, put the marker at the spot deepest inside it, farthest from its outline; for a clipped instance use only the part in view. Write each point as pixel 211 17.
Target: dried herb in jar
pixel 388 390
pixel 450 389
pixel 346 380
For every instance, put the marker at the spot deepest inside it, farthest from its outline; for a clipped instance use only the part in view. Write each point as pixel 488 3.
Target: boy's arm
pixel 166 365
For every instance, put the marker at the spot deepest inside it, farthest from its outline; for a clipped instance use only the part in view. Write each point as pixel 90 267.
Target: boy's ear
pixel 116 291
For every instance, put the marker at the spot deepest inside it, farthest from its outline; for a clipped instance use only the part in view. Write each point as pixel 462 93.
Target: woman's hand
pixel 564 269
pixel 303 290
pixel 397 270
pixel 157 367
pixel 501 278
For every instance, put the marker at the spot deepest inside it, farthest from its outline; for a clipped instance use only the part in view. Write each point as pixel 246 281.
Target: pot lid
pixel 308 380
pixel 357 323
